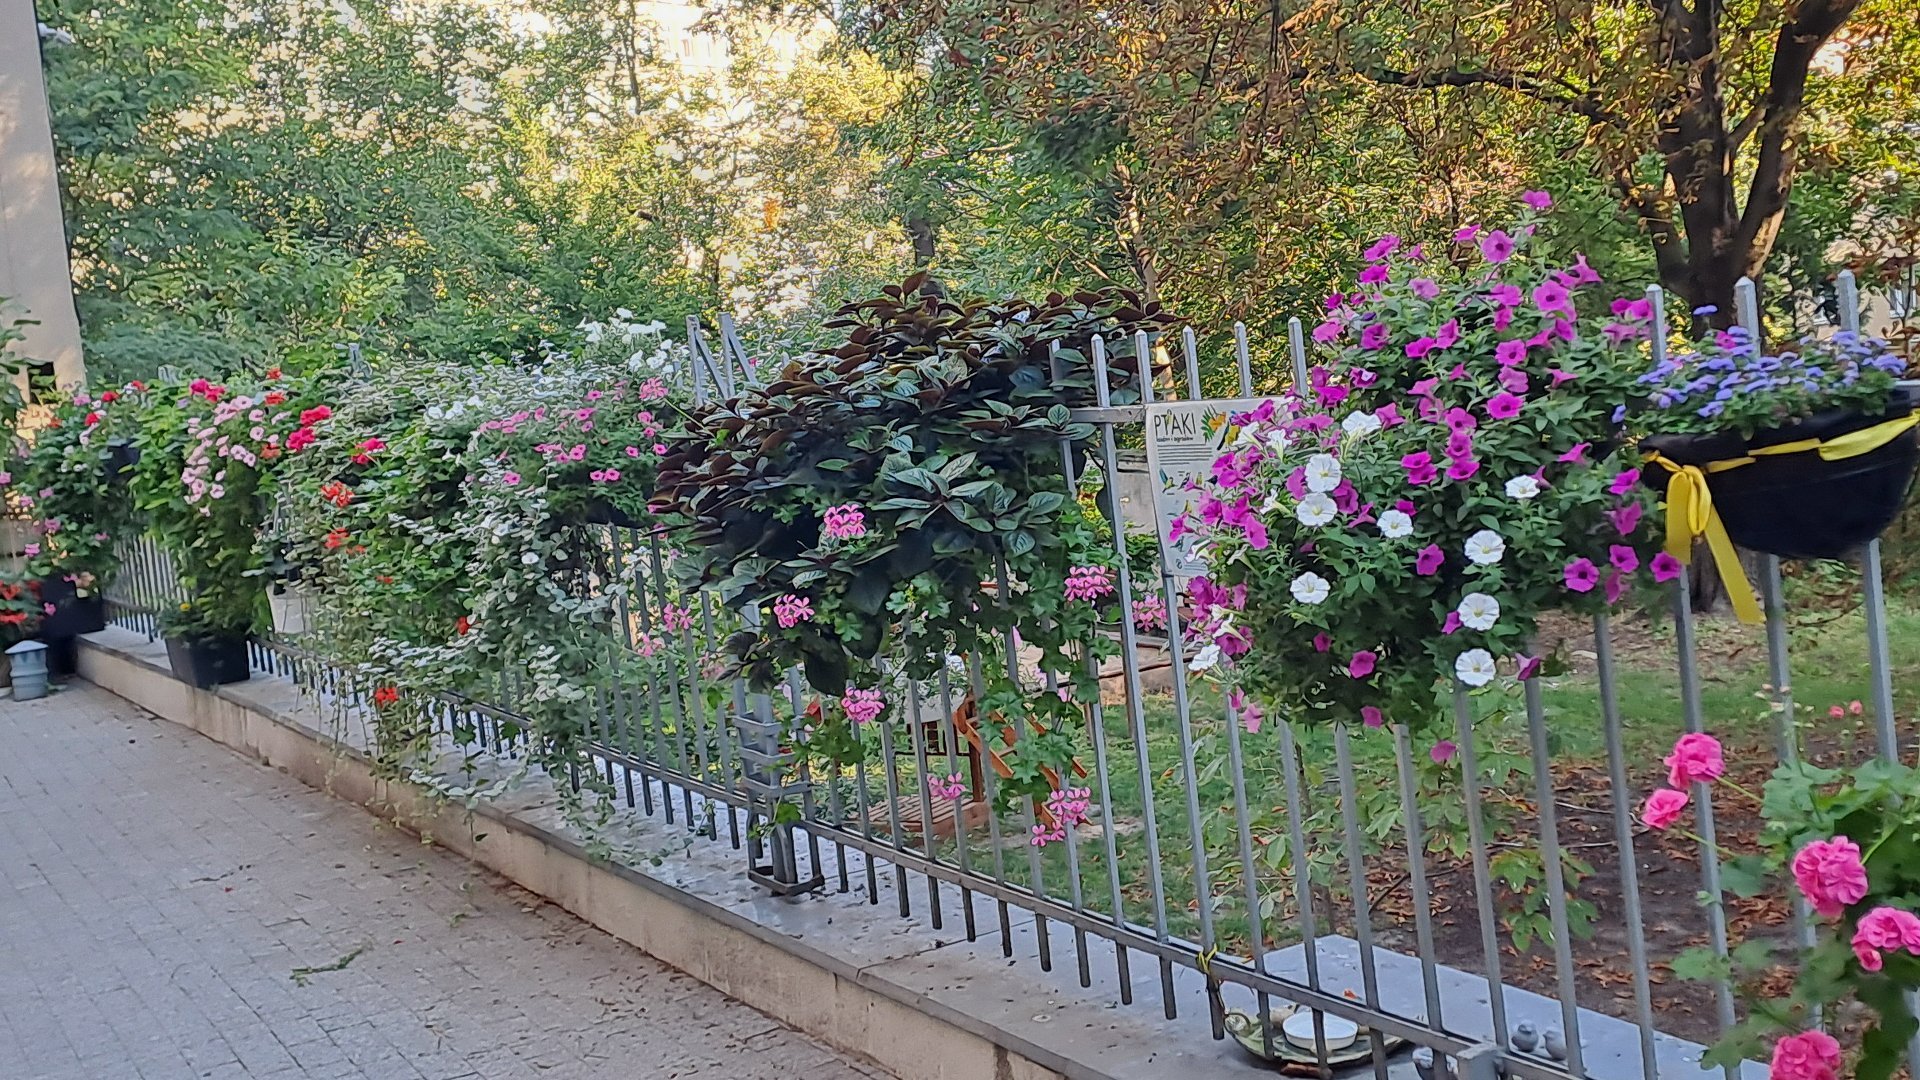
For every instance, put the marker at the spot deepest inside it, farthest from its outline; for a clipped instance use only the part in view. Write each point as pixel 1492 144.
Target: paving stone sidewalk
pixel 170 909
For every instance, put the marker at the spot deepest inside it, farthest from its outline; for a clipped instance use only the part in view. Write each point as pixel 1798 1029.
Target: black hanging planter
pixel 122 456
pixel 72 613
pixel 601 512
pixel 1800 505
pixel 206 662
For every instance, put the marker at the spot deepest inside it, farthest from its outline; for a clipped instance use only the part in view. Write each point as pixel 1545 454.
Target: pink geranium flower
pixel 1810 1055
pixel 1664 807
pixel 1885 929
pixel 1696 758
pixel 1830 875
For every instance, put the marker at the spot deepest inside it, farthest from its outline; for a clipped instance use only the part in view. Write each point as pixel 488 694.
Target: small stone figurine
pixel 1556 1044
pixel 1526 1037
pixel 1423 1062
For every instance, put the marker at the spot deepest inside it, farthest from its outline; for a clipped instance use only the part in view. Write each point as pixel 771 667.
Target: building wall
pixel 33 243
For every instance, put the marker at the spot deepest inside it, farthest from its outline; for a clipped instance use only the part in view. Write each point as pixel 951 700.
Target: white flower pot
pixel 290 605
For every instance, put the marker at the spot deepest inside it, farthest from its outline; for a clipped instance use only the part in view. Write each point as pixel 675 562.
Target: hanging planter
pixel 1815 489
pixel 206 662
pixel 72 614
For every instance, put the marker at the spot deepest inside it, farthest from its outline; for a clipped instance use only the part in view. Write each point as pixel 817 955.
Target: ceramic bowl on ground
pixel 1339 1033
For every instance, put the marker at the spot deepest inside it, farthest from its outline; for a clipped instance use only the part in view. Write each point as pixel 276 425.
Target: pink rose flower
pixel 1696 757
pixel 1664 807
pixel 1830 875
pixel 1810 1055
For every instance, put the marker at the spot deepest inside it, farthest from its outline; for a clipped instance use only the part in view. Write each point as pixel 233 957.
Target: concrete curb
pixel 925 1004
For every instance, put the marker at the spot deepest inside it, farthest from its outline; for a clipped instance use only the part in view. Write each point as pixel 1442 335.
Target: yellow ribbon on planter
pixel 1691 516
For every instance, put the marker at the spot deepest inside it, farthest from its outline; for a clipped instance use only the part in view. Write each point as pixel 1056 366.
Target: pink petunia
pixel 1538 200
pixel 1461 469
pixel 1424 288
pixel 1550 297
pixel 1372 716
pixel 1443 751
pixel 1504 406
pixel 1362 663
pixel 1577 454
pixel 1448 335
pixel 1373 336
pixel 1581 575
pixel 1510 352
pixel 1420 467
pixel 1665 567
pixel 1496 246
pixel 1624 482
pixel 1428 561
pixel 1321 642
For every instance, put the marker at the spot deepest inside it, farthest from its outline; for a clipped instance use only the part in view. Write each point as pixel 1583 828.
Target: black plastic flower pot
pixel 206 662
pixel 1800 505
pixel 72 614
pixel 602 512
pixel 121 458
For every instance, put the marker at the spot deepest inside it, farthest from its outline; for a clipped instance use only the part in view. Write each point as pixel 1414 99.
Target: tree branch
pixel 1523 83
pixel 1800 39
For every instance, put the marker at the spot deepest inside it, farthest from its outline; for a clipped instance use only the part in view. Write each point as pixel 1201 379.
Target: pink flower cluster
pixel 1696 758
pixel 1885 929
pixel 1810 1055
pixel 1089 583
pixel 1068 806
pixel 1831 875
pixel 845 522
pixel 951 787
pixel 791 610
pixel 1150 613
pixel 604 476
pixel 675 618
pixel 1251 716
pixel 863 706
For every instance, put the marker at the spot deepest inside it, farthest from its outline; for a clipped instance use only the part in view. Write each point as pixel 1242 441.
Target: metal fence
pixel 1501 912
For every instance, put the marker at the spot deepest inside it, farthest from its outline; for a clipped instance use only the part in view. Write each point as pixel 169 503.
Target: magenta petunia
pixel 1529 666
pixel 1428 561
pixel 1505 295
pixel 1459 419
pixel 1465 234
pixel 1581 575
pixel 1460 444
pixel 1624 482
pixel 1448 335
pixel 1362 663
pixel 1510 352
pixel 1419 347
pixel 1538 200
pixel 1624 559
pixel 1626 518
pixel 1504 406
pixel 1513 380
pixel 1424 288
pixel 1503 318
pixel 1577 455
pixel 1405 506
pixel 1372 716
pixel 1616 586
pixel 1551 298
pixel 1496 246
pixel 1451 624
pixel 1665 567
pixel 1420 467
pixel 1462 469
pixel 1328 331
pixel 1373 336
pixel 1374 275
pixel 1383 247
pixel 1321 642
pixel 1443 751
pixel 1389 415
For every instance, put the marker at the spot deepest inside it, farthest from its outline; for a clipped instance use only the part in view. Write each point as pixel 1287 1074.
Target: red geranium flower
pixel 335 538
pixel 315 415
pixel 275 397
pixel 462 625
pixel 385 695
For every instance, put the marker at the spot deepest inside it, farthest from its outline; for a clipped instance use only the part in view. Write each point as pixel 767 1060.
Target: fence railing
pixel 1499 911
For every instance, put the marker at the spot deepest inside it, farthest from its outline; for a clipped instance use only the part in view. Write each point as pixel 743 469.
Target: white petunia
pixel 1205 658
pixel 1277 442
pixel 1310 588
pixel 1315 510
pixel 529 558
pixel 1323 472
pixel 1395 524
pixel 1474 667
pixel 1522 487
pixel 1485 548
pixel 1360 423
pixel 1478 611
